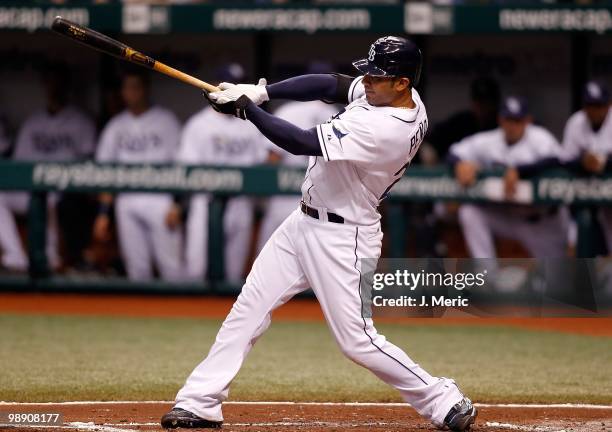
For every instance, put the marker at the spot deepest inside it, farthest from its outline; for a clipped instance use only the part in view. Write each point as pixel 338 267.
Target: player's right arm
pixel 331 88
pixel 574 154
pixel 463 158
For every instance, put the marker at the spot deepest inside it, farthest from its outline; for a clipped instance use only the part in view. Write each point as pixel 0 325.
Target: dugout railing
pixel 419 184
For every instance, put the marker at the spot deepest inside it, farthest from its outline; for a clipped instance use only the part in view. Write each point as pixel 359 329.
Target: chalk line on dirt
pixel 358 404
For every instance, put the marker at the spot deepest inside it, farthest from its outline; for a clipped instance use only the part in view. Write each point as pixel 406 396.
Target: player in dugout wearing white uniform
pixel 523 149
pixel 355 159
pixel 587 142
pixel 60 132
pixel 211 138
pixel 142 134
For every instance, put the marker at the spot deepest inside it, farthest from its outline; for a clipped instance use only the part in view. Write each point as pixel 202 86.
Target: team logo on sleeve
pixel 338 133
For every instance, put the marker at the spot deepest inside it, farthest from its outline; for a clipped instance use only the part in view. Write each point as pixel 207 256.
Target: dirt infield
pixel 247 417
pixel 262 416
pixel 218 307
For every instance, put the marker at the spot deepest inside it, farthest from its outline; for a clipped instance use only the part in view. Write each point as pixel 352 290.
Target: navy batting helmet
pixel 392 56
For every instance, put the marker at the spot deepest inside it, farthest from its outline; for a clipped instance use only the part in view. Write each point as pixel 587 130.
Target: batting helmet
pixel 392 56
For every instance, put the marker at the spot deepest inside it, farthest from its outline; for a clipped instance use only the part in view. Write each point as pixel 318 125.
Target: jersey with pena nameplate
pixel 366 150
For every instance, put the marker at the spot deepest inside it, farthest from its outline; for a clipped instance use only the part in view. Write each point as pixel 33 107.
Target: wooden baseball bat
pixel 107 45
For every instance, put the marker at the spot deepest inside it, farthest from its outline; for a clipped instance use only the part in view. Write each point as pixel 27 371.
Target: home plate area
pixel 288 416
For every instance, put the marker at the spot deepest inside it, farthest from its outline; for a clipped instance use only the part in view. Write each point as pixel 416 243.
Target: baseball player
pixel 523 149
pixel 355 159
pixel 60 132
pixel 211 138
pixel 143 133
pixel 304 115
pixel 587 141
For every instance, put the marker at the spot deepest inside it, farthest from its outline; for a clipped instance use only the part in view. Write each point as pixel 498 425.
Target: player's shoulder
pixel 487 138
pixel 119 119
pixel 34 118
pixel 540 133
pixel 577 120
pixel 159 111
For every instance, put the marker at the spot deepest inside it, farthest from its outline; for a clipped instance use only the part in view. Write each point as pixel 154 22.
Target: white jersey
pixel 366 150
pixel 211 138
pixel 579 136
pixel 489 149
pixel 304 115
pixel 64 136
pixel 151 137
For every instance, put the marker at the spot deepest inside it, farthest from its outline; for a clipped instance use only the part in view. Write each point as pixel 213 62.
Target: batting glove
pixel 236 108
pixel 231 92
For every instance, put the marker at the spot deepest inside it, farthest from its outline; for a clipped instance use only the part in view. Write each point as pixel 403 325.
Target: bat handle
pixel 170 71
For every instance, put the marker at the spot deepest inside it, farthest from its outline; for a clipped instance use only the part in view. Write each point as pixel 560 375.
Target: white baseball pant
pixel 546 238
pixel 144 237
pixel 237 225
pixel 13 255
pixel 306 252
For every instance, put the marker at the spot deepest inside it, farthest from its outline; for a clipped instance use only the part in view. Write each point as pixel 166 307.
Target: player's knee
pixel 356 349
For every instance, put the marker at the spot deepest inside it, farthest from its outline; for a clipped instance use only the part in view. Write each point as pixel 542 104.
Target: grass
pixel 56 358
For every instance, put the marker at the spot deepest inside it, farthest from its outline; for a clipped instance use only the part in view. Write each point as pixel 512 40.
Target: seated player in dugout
pixel 355 159
pixel 587 143
pixel 524 150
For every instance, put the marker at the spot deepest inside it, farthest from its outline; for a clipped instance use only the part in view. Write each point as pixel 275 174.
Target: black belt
pixel 314 213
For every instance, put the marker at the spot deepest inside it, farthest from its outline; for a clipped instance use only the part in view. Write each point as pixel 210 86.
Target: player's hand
pixel 231 92
pixel 511 178
pixel 101 228
pixel 236 108
pixel 466 172
pixel 174 217
pixel 594 163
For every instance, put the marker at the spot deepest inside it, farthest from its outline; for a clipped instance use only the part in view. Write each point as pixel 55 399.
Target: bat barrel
pixel 90 38
pixel 107 45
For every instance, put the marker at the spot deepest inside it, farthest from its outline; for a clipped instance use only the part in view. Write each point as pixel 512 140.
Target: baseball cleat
pixel 180 418
pixel 461 416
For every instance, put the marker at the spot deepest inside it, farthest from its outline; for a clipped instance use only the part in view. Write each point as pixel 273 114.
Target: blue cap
pixel 231 72
pixel 514 107
pixel 595 93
